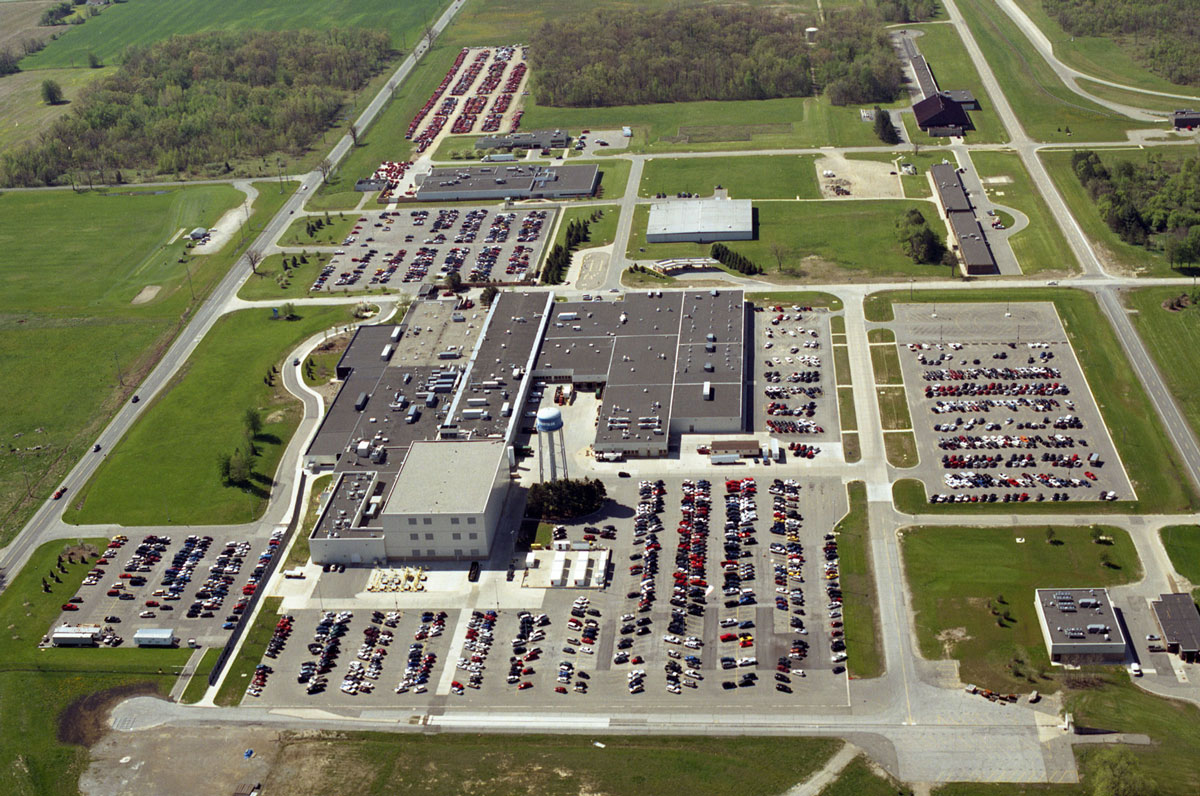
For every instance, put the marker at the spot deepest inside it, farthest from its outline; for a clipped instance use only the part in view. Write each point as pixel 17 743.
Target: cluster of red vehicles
pixel 433 98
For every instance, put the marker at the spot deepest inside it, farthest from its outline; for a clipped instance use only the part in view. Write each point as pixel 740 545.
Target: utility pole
pixel 117 362
pixel 188 271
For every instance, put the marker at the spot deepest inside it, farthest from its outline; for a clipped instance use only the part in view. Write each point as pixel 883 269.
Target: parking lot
pixel 192 583
pixel 766 586
pixel 1001 408
pixel 794 397
pixel 423 244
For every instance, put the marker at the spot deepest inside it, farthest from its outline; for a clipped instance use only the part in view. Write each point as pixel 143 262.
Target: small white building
pixel 155 637
pixel 199 233
pixel 1079 626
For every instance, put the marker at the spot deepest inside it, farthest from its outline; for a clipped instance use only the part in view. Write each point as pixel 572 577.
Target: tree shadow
pixel 268 439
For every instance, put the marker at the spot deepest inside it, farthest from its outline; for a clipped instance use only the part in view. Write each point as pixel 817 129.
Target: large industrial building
pixel 668 363
pixel 1079 626
pixel 534 139
pixel 967 235
pixel 700 221
pixel 938 112
pixel 499 182
pixel 420 435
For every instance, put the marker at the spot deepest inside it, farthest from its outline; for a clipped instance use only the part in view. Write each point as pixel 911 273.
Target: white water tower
pixel 549 422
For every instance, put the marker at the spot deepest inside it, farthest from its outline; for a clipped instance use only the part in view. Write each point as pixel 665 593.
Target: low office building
pixel 1179 622
pixel 534 139
pixel 499 182
pixel 967 238
pixel 700 221
pixel 1079 626
pixel 1185 120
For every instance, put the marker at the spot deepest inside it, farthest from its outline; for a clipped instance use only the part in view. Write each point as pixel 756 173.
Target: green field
pixel 197 686
pixel 143 22
pixel 1149 457
pixel 164 470
pixel 1114 252
pixel 972 594
pixel 1100 56
pixel 600 232
pixel 68 322
pixel 24 114
pixel 859 779
pixel 546 765
pixel 799 298
pixel 841 366
pixel 860 614
pixel 814 238
pixel 851 449
pixel 953 69
pixel 752 177
pixel 886 363
pixel 893 409
pixel 335 227
pixel 847 418
pixel 1182 543
pixel 1136 99
pixel 1048 110
pixel 614 177
pixel 1040 247
pixel 881 336
pixel 645 278
pixel 273 282
pixel 717 126
pixel 254 644
pixel 1173 339
pixel 37 686
pixel 900 448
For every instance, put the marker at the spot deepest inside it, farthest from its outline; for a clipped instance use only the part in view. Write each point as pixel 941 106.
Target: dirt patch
pixel 275 417
pixel 146 294
pixel 857 179
pixel 85 721
pixel 1177 304
pixel 950 637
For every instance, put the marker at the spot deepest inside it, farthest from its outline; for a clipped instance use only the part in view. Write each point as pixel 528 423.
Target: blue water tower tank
pixel 549 419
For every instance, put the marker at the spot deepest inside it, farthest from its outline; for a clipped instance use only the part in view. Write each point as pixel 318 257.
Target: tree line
pixel 734 261
pixel 1160 34
pixel 920 242
pixel 1156 204
pixel 190 101
pixel 554 271
pixel 907 10
pixel 565 498
pixel 635 57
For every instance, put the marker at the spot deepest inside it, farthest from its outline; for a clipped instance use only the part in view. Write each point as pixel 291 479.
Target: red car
pixel 70 607
pixel 728 637
pixel 59 492
pixel 151 603
pixel 524 685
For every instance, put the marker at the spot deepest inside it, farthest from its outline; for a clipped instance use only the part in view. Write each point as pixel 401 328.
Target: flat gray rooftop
pixel 950 187
pixel 446 477
pixel 701 216
pixel 971 239
pixel 1069 612
pixel 512 179
pixel 1179 620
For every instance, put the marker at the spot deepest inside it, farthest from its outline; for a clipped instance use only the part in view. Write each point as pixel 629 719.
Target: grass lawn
pixel 1137 99
pixel 881 336
pixel 164 470
pixel 299 553
pixel 1149 457
pixel 851 449
pixel 1113 251
pixel 548 765
pixel 886 363
pixel 239 670
pixel 68 299
pixel 1047 109
pixel 861 611
pixel 647 278
pixel 901 448
pixel 24 115
pixel 841 366
pixel 750 177
pixel 143 22
pixel 321 365
pixel 837 325
pixel 846 415
pixel 1100 56
pixel 1173 339
pixel 38 686
pixel 275 282
pixel 600 232
pixel 799 298
pixel 815 239
pixel 717 126
pixel 333 230
pixel 859 779
pixel 1040 246
pixel 544 535
pixel 953 68
pixel 197 686
pixel 972 594
pixel 893 409
pixel 1183 546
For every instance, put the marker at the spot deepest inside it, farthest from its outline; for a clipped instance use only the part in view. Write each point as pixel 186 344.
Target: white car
pixel 1135 669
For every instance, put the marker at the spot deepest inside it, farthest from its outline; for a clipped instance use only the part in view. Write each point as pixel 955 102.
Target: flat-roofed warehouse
pixel 670 363
pixel 500 181
pixel 700 221
pixel 1179 622
pixel 534 139
pixel 1079 626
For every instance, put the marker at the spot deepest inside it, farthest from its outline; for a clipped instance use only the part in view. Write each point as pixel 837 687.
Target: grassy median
pixel 860 612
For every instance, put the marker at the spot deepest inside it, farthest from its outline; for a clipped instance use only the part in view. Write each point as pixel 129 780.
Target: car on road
pixel 59 492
